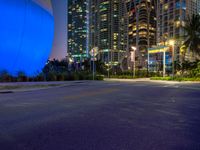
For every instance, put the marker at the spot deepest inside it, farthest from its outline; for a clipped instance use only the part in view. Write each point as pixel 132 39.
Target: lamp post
pixel 147 63
pixel 133 50
pixel 108 70
pixel 93 53
pixel 171 43
pixel 164 63
pixel 93 64
pixel 70 62
pixel 108 64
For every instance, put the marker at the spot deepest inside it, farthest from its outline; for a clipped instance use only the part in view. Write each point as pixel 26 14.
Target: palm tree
pixel 192 38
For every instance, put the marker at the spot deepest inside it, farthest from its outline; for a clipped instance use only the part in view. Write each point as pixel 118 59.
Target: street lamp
pixel 70 62
pixel 164 62
pixel 147 63
pixel 133 50
pixel 172 43
pixel 93 53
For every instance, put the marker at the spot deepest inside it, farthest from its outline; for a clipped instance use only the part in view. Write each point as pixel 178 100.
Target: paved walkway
pixel 30 86
pixel 148 80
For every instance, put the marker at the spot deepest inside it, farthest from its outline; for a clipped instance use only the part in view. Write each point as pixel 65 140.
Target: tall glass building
pixel 171 19
pixel 172 15
pixel 108 29
pixel 141 28
pixel 78 28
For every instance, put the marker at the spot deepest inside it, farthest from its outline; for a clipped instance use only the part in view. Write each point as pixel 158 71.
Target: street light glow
pixel 133 48
pixel 171 42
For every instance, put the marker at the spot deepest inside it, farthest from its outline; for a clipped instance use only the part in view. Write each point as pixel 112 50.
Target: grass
pixel 9 87
pixel 176 78
pixel 13 87
pixel 123 77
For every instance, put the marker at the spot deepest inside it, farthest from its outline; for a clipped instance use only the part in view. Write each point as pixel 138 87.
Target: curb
pixel 149 80
pixel 46 86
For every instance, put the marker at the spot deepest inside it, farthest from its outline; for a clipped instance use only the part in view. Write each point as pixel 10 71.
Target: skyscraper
pixel 141 28
pixel 108 29
pixel 77 28
pixel 171 18
pixel 115 25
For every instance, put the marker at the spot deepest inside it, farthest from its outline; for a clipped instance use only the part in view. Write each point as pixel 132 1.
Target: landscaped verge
pixel 15 87
pixel 176 78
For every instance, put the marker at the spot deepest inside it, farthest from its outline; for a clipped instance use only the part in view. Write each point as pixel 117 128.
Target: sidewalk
pixel 31 86
pixel 183 84
pixel 11 87
pixel 149 80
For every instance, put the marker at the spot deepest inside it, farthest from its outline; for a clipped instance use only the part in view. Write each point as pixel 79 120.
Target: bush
pixel 5 77
pixel 40 78
pixel 122 76
pixel 99 77
pixel 196 72
pixel 22 77
pixel 138 74
pixel 51 76
pixel 69 77
pixel 76 76
pixel 176 78
pixel 60 77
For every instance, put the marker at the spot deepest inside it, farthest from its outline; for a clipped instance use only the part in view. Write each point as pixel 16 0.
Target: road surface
pixel 102 115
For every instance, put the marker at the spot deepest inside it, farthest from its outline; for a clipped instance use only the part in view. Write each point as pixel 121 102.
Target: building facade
pixel 78 28
pixel 172 15
pixel 141 28
pixel 114 26
pixel 108 29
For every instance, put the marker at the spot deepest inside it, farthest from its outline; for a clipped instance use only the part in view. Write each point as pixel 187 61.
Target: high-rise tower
pixel 78 28
pixel 172 15
pixel 108 29
pixel 141 27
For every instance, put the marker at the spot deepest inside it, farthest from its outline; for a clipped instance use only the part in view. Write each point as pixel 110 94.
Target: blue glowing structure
pixel 26 36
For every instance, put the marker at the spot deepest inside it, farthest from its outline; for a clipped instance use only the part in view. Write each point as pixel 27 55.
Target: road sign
pixel 94 51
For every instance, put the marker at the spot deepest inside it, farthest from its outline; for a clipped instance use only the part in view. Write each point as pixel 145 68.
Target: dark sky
pixel 59 50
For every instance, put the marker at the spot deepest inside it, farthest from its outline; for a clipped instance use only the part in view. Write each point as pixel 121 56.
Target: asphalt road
pixel 102 116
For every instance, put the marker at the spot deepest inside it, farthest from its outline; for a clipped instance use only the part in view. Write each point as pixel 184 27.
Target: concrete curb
pixel 149 80
pixel 47 85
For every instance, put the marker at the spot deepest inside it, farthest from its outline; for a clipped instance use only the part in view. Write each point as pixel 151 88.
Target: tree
pixel 192 38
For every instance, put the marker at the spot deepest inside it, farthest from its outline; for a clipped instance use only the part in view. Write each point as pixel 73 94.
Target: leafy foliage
pixel 192 37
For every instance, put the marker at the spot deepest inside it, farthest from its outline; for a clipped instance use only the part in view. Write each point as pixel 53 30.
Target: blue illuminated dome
pixel 26 35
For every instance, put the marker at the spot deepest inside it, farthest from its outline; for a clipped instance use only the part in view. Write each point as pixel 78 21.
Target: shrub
pixel 5 77
pixel 51 76
pixel 176 78
pixel 22 77
pixel 99 77
pixel 40 78
pixel 60 77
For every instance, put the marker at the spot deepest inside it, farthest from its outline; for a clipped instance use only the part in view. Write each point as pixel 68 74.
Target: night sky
pixel 60 36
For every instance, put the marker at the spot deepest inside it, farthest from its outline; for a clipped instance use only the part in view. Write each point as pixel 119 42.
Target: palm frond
pixel 192 37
